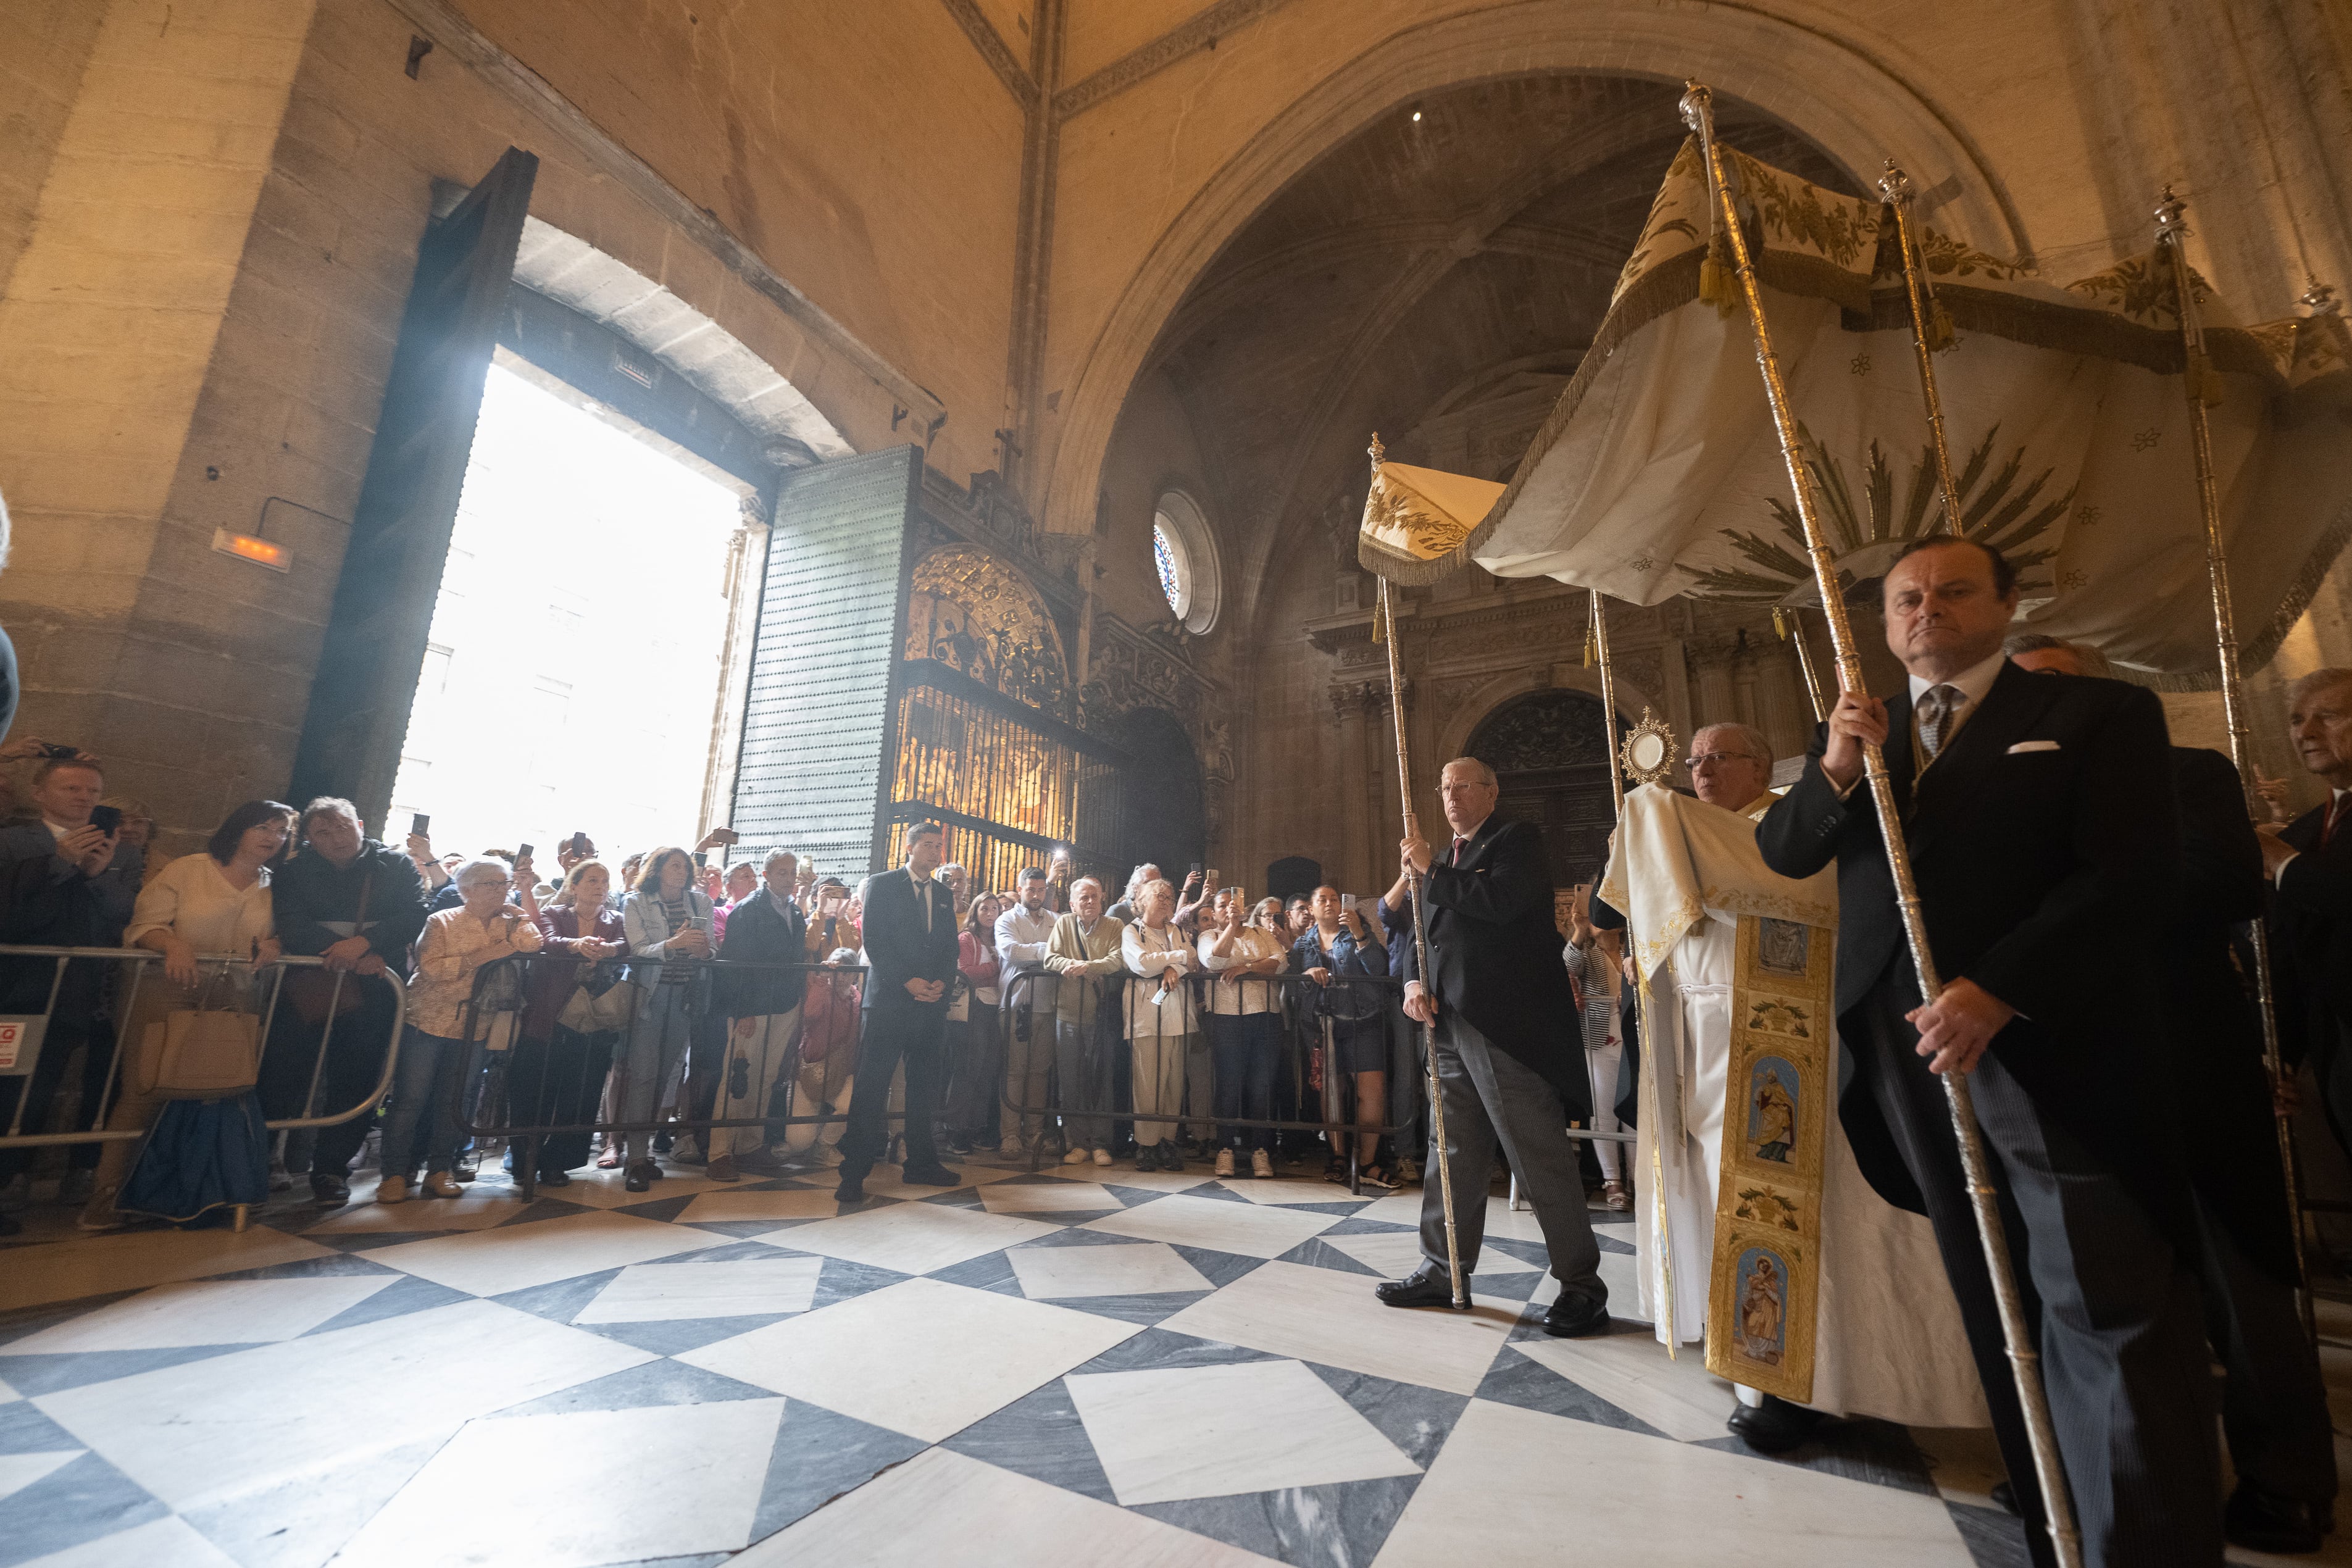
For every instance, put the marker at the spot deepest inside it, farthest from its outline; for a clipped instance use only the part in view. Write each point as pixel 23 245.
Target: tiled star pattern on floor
pixel 1159 1369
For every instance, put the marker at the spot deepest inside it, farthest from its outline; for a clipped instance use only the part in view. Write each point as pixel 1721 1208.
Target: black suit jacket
pixel 2311 923
pixel 2045 876
pixel 2215 1032
pixel 1494 954
pixel 898 947
pixel 759 932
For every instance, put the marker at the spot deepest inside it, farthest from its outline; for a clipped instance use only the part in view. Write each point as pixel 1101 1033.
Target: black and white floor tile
pixel 1157 1369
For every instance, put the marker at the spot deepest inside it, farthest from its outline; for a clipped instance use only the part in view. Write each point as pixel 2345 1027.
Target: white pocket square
pixel 2033 746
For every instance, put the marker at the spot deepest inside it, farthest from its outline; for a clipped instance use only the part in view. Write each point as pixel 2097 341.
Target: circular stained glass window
pixel 1168 559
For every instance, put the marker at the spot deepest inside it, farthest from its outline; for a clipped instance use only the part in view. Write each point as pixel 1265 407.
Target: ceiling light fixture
pixel 1416 117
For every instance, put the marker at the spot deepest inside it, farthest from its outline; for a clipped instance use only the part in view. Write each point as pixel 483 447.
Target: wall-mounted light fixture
pixel 250 547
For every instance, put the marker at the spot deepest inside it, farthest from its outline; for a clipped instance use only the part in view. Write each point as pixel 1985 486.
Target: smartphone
pixel 522 852
pixel 1347 902
pixel 1193 872
pixel 726 836
pixel 580 844
pixel 54 752
pixel 420 825
pixel 701 858
pixel 107 819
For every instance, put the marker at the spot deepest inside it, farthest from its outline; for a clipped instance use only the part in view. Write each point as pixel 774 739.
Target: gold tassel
pixel 1379 620
pixel 1939 327
pixel 1592 644
pixel 1718 279
pixel 1780 622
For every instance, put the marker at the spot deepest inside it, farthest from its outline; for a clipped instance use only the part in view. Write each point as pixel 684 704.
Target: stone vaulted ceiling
pixel 1435 279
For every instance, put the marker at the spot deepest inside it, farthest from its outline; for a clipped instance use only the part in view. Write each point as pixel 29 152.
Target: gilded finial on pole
pixel 1380 452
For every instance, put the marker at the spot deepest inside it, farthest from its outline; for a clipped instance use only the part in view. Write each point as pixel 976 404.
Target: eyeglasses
pixel 1715 760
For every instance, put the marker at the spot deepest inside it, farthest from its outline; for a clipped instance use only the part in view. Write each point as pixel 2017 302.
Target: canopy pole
pixel 1386 617
pixel 2172 230
pixel 1697 106
pixel 1790 622
pixel 1642 1004
pixel 1929 332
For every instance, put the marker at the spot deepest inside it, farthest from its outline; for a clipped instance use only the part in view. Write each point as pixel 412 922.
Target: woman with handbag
pixel 578 1004
pixel 485 928
pixel 213 902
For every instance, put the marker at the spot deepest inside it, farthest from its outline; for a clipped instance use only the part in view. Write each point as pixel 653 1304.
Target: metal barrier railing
pixel 29 1044
pixel 1102 1011
pixel 515 1004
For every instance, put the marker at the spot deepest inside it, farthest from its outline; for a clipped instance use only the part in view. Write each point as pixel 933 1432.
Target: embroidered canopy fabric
pixel 1674 858
pixel 1658 473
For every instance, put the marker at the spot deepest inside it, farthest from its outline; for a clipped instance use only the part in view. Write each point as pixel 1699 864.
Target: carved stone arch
pixel 1851 102
pixel 1481 704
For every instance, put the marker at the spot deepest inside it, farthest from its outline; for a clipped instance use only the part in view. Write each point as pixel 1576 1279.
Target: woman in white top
pixel 1159 1020
pixel 212 903
pixel 1245 1027
pixel 1592 961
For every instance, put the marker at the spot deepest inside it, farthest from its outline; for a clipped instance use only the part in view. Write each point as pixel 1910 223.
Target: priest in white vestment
pixel 1887 1339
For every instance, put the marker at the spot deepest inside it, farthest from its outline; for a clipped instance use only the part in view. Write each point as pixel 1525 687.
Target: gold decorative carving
pixel 971 612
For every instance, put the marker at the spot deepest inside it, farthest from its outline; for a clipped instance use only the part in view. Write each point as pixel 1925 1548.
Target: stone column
pixel 1333 786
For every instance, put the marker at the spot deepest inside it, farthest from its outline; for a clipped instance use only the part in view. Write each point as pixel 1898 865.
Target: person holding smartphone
pixel 1339 953
pixel 668 920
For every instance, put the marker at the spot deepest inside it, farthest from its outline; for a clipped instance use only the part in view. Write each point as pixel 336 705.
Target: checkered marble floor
pixel 1150 1369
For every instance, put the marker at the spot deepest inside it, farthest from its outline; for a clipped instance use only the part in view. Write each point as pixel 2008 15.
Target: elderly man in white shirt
pixel 1021 932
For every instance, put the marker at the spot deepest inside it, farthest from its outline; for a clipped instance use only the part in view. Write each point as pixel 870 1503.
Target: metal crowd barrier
pixel 508 1013
pixel 26 1041
pixel 1104 1003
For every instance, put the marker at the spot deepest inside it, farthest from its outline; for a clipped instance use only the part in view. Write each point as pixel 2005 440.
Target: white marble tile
pixel 748 1287
pixel 1323 1315
pixel 7 1395
pixel 1289 1190
pixel 579 1488
pixel 483 1205
pixel 213 1430
pixel 1404 1208
pixel 102 1265
pixel 1964 1461
pixel 885 1182
pixel 941 1509
pixel 1047 1197
pixel 166 1542
pixel 1216 1431
pixel 595 1189
pixel 777 1203
pixel 1149 1181
pixel 218 1312
pixel 911 1239
pixel 18 1471
pixel 921 1357
pixel 1392 1254
pixel 1145 1268
pixel 1218 1223
pixel 517 1258
pixel 1512 1486
pixel 1679 1397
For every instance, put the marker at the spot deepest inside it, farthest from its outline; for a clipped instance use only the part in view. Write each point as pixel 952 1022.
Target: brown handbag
pixel 318 994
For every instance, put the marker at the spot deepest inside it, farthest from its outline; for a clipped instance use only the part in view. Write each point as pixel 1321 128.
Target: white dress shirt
pixel 1021 939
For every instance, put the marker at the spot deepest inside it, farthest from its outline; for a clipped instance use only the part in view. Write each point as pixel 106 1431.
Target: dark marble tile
pixel 29 1320
pixel 842 1281
pixel 956 1198
pixel 1359 1225
pixel 405 1295
pixel 1134 1196
pixel 1038 1436
pixel 1612 1243
pixel 80 1501
pixel 1859 1451
pixel 1145 1309
pixel 1530 1385
pixel 1342 1205
pixel 542 1210
pixel 744 1229
pixel 1316 1253
pixel 307 1269
pixel 1417 1420
pixel 24 1430
pixel 1994 1537
pixel 559 1302
pixel 662 1209
pixel 1341 1525
pixel 1161 1350
pixel 1074 1237
pixel 1218 1190
pixel 1530 1253
pixel 989 1271
pixel 32 1375
pixel 655 1384
pixel 733 1252
pixel 1222 1268
pixel 675 1336
pixel 819 1454
pixel 1516 1285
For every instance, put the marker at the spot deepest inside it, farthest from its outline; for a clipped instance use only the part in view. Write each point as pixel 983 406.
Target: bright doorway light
pixel 572 673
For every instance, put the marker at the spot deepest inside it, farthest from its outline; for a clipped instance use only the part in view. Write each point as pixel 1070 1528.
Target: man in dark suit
pixel 2311 861
pixel 2045 844
pixel 1510 1057
pixel 910 956
pixel 2274 1401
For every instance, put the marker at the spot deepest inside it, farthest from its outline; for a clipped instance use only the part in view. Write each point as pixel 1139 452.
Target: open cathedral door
pixel 374 649
pixel 821 703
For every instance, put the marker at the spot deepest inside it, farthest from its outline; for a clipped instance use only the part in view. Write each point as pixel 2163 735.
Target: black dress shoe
pixel 1774 1427
pixel 2265 1522
pixel 849 1193
pixel 555 1178
pixel 330 1190
pixel 637 1180
pixel 931 1177
pixel 2004 1497
pixel 1575 1317
pixel 1428 1287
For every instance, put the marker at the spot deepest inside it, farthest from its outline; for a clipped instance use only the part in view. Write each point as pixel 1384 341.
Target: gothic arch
pixel 1454 737
pixel 1853 104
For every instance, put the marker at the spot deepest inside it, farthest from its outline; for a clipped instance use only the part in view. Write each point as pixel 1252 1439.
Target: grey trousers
pixel 1491 1098
pixel 2273 1404
pixel 2120 1331
pixel 1086 1083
